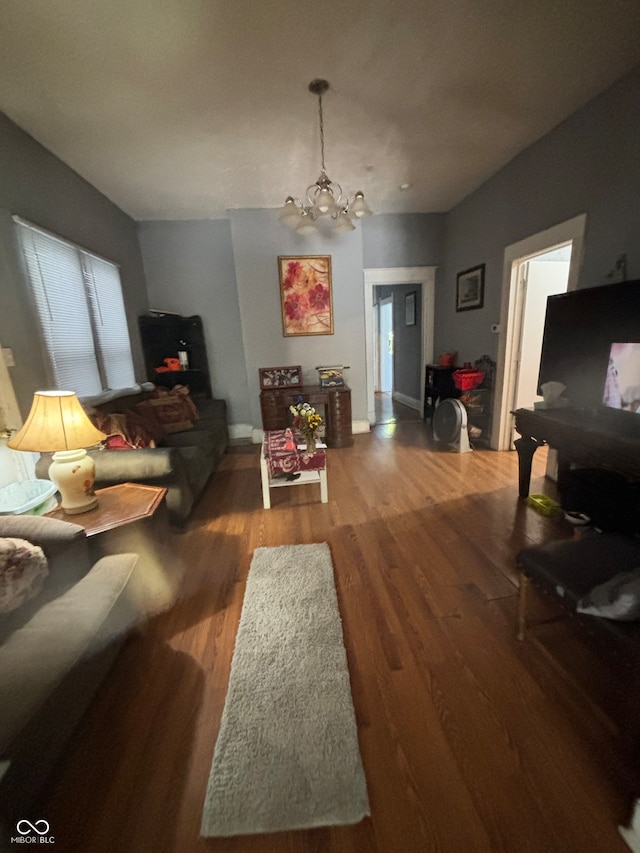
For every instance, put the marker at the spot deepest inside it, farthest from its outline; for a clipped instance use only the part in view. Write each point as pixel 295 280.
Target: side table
pixel 277 461
pixel 133 518
pixel 130 517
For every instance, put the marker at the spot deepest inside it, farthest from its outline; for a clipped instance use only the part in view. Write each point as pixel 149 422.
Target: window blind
pixel 78 301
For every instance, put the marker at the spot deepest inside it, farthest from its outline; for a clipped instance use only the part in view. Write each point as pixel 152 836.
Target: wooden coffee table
pixel 129 517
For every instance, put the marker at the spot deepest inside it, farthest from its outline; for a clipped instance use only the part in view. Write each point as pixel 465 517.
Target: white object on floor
pixel 450 424
pixel 631 834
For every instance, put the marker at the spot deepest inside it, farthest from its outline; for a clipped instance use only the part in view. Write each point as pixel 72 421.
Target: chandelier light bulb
pixel 343 222
pixel 290 213
pixel 325 202
pixel 359 206
pixel 306 225
pixel 325 197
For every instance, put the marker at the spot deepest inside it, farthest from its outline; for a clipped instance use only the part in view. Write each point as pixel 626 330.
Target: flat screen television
pixel 581 329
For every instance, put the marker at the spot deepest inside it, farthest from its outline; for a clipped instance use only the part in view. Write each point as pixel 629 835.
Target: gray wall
pixel 227 272
pixel 403 240
pixel 258 239
pixel 190 269
pixel 588 164
pixel 37 186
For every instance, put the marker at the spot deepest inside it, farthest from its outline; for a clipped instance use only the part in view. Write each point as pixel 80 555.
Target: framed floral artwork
pixel 305 294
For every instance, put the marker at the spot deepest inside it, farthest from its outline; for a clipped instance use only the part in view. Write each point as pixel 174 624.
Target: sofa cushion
pixel 149 417
pixel 203 440
pixel 23 569
pixel 171 413
pixel 182 394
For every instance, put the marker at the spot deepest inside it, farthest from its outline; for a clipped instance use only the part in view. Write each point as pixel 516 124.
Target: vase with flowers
pixel 307 422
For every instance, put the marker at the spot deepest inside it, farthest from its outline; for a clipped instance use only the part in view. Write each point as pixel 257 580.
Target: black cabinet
pixel 438 384
pixel 172 336
pixel 479 402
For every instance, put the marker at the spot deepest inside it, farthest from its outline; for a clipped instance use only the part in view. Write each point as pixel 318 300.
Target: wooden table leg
pixel 264 476
pixel 526 447
pixel 324 488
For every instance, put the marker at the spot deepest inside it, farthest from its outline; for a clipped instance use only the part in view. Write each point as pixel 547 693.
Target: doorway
pixel 522 324
pixel 420 277
pixel 539 277
pixel 385 345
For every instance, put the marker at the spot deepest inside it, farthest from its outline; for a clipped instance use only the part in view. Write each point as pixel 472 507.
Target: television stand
pixel 587 439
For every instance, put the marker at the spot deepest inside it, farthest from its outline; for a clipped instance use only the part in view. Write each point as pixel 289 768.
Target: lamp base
pixel 73 473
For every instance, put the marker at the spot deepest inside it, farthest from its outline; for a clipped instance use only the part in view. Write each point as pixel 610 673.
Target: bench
pixel 566 571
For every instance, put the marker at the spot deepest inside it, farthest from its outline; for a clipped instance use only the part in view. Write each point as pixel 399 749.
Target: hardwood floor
pixel 470 740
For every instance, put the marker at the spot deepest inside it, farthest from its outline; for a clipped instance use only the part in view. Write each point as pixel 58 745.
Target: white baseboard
pixel 411 402
pixel 358 427
pixel 240 431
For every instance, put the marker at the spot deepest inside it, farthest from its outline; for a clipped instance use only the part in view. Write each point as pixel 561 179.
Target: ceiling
pixel 184 109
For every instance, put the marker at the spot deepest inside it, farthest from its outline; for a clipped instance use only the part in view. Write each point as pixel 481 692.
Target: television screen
pixel 580 328
pixel 622 385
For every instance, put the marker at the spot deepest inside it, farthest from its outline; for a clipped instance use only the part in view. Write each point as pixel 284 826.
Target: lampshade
pixel 57 422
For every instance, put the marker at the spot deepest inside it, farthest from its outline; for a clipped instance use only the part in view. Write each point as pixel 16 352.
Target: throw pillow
pixel 139 431
pixel 618 598
pixel 23 569
pixel 171 414
pixel 113 424
pixel 184 393
pixel 149 418
pixel 181 393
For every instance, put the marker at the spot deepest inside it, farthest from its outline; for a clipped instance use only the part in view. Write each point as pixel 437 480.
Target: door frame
pixel 423 277
pixel 572 231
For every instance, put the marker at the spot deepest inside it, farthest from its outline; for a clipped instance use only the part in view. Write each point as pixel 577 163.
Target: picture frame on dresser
pixel 280 377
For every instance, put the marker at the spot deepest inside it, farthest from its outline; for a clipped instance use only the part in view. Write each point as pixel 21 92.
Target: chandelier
pixel 324 198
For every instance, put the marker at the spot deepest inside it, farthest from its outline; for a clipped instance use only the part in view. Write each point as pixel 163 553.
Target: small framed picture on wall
pixel 410 309
pixel 470 289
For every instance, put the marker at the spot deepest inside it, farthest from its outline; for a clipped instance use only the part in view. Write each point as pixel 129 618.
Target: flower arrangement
pixel 306 421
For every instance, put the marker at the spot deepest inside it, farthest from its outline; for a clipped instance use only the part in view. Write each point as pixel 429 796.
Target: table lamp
pixel 57 422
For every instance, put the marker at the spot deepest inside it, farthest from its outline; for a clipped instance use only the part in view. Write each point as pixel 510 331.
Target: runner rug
pixel 287 754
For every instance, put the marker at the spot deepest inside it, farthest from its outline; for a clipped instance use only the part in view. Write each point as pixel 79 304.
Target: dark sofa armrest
pixel 52 535
pixel 150 465
pixel 214 409
pixel 64 544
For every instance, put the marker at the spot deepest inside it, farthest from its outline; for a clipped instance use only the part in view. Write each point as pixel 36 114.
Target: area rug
pixel 287 755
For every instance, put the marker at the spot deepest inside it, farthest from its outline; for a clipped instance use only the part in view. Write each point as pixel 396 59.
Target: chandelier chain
pixel 321 133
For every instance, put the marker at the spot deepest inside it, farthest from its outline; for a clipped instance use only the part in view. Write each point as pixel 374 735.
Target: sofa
pixel 58 637
pixel 159 437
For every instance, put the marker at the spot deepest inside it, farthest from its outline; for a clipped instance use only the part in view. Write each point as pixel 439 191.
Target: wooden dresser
pixel 275 402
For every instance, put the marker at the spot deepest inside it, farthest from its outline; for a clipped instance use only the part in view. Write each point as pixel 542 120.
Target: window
pixel 78 300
